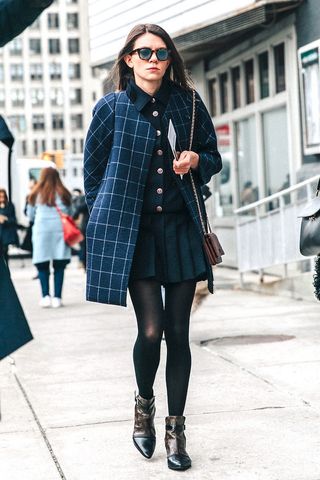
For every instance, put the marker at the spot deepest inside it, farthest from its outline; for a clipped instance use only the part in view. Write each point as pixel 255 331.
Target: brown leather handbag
pixel 211 244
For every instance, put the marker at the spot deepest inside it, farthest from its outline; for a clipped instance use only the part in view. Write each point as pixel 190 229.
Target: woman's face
pixel 151 70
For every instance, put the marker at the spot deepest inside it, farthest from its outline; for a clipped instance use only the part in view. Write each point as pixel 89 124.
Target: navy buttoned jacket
pixel 118 151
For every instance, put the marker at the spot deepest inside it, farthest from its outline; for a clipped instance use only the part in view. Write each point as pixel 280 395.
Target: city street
pixel 253 409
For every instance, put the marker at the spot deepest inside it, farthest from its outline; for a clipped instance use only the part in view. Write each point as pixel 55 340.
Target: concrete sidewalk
pixel 253 408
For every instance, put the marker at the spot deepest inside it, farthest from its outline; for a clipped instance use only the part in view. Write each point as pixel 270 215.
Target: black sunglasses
pixel 145 53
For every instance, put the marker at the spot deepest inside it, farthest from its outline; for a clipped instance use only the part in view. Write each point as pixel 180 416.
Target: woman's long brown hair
pixel 121 73
pixel 6 199
pixel 48 186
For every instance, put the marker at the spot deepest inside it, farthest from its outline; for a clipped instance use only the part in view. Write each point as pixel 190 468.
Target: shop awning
pixel 202 41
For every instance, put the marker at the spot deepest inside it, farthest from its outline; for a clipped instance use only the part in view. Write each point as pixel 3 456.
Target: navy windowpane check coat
pixel 118 150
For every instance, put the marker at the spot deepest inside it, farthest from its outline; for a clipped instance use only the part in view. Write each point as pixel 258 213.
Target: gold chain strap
pixel 190 147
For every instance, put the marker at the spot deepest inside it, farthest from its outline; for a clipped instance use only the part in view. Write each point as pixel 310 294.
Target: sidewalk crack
pixel 41 429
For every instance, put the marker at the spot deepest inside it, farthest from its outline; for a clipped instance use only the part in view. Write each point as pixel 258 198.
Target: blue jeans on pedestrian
pixel 44 276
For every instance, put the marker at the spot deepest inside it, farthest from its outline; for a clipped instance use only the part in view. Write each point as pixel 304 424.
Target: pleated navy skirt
pixel 168 249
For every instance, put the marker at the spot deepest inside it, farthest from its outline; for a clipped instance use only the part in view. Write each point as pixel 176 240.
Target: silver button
pixel 160 152
pixel 153 100
pixel 159 209
pixel 160 170
pixel 158 133
pixel 159 191
pixel 155 113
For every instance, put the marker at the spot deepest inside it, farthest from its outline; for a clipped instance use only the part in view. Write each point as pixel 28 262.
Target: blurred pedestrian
pixel 144 229
pixel 47 233
pixel 81 214
pixel 8 224
pixel 76 198
pixel 16 15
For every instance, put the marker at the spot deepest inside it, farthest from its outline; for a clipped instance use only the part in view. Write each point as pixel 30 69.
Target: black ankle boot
pixel 175 442
pixel 144 434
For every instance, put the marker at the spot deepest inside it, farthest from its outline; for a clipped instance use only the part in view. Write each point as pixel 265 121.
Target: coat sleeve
pixel 16 15
pixel 97 147
pixel 205 144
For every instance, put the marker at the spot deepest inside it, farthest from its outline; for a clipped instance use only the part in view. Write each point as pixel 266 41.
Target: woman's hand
pixel 185 160
pixel 3 219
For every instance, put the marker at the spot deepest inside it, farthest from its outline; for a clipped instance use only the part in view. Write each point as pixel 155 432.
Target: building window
pixel 236 95
pixel 1 73
pixel 56 96
pixel 75 171
pixel 76 121
pixel 81 145
pixel 72 21
pixel 17 123
pixel 54 46
pixel 2 98
pixel 15 46
pixel 24 147
pixel 43 145
pixel 75 96
pixel 73 45
pixel 57 121
pixel 37 97
pixel 55 71
pixel 38 122
pixel 279 64
pixel 247 161
pixel 249 81
pixel 74 145
pixel 69 2
pixel 16 72
pixel 264 74
pixel 224 103
pixel 213 97
pixel 53 21
pixel 74 71
pixel 35 147
pixel 35 25
pixel 17 97
pixel 36 71
pixel 35 46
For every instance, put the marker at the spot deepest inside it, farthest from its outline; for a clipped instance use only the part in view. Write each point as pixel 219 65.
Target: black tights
pixel 153 319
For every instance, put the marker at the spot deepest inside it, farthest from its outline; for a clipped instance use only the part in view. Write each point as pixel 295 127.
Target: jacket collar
pixel 140 98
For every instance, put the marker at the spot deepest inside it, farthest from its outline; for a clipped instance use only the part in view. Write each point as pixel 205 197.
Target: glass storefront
pixel 247 170
pixel 276 156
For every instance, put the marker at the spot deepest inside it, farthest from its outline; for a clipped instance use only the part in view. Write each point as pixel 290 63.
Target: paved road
pixel 253 410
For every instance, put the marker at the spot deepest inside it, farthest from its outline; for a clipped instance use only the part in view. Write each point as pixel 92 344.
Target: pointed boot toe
pixel 144 434
pixel 179 462
pixel 145 445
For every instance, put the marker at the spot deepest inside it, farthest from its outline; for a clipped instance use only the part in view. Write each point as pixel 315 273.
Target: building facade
pixel 255 64
pixel 46 86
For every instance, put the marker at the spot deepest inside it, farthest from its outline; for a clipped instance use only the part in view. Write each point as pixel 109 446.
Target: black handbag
pixel 310 227
pixel 211 244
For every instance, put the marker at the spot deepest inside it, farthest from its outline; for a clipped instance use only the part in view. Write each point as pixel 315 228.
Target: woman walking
pixel 8 224
pixel 47 197
pixel 144 229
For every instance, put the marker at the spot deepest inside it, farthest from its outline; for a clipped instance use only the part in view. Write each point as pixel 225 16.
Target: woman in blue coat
pixel 47 233
pixel 144 229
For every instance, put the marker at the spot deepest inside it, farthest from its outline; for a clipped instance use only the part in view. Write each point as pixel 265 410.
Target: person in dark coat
pixel 144 229
pixel 81 213
pixel 16 15
pixel 8 224
pixel 14 329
